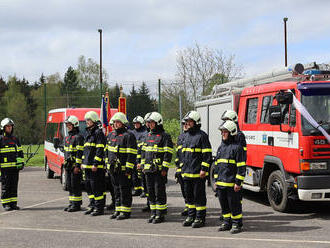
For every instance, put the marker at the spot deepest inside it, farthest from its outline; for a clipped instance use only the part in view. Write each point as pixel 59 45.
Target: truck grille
pixel 321 152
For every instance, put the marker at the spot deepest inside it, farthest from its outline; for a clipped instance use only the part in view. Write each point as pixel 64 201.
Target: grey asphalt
pixel 42 222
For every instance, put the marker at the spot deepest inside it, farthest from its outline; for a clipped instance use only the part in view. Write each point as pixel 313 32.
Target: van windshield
pixel 82 128
pixel 319 108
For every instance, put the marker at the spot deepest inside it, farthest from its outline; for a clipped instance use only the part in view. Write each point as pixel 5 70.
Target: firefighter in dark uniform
pixel 11 162
pixel 179 163
pixel 156 159
pixel 196 158
pixel 120 158
pixel 73 151
pixel 139 132
pixel 93 164
pixel 230 171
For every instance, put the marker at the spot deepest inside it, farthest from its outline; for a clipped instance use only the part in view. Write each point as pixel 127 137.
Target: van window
pixel 251 110
pixel 266 103
pixel 51 131
pixel 292 116
pixel 62 133
pixel 82 128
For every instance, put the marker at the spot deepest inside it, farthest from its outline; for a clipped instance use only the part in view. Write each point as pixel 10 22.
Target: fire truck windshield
pixel 319 108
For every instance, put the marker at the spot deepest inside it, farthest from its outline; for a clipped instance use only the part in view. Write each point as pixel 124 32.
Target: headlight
pixel 318 166
pixel 306 166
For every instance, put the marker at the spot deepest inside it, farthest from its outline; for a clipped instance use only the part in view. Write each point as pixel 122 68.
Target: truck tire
pixel 212 179
pixel 277 191
pixel 49 172
pixel 63 180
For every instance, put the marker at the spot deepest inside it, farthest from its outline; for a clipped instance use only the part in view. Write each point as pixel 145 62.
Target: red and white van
pixel 55 128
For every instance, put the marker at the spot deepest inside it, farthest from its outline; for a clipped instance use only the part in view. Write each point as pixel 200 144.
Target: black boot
pixel 152 217
pixel 74 209
pixel 97 212
pixel 8 208
pixel 67 208
pixel 115 215
pixel 123 216
pixel 198 223
pixel 236 229
pixel 89 211
pixel 158 219
pixel 224 227
pixel 188 221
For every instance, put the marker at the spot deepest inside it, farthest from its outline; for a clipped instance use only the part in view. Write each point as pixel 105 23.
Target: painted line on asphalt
pixel 35 205
pixel 166 235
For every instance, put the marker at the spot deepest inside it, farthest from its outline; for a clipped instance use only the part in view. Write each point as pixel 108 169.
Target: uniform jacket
pixel 121 151
pixel 157 151
pixel 196 153
pixel 178 159
pixel 230 165
pixel 140 135
pixel 94 146
pixel 10 150
pixel 74 147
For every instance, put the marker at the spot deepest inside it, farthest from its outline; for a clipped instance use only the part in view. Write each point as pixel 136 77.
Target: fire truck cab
pixel 287 156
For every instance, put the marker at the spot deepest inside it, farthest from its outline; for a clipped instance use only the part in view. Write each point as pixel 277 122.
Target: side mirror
pixel 56 142
pixel 284 97
pixel 275 115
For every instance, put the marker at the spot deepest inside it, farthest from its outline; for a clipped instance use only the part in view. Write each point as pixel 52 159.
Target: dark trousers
pixel 74 186
pixel 230 202
pixel 123 192
pixel 196 197
pixel 95 188
pixel 109 186
pixel 181 182
pixel 137 180
pixel 9 184
pixel 144 183
pixel 157 193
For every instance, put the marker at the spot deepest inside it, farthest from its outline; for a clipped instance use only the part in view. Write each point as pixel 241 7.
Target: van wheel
pixel 277 192
pixel 49 172
pixel 63 180
pixel 212 179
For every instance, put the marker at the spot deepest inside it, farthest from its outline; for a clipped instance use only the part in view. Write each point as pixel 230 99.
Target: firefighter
pixel 73 150
pixel 179 163
pixel 120 158
pixel 229 173
pixel 93 164
pixel 11 162
pixel 156 159
pixel 196 157
pixel 139 132
pixel 108 181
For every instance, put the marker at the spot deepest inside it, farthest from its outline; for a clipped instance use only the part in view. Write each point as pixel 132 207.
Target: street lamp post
pixel 100 31
pixel 285 19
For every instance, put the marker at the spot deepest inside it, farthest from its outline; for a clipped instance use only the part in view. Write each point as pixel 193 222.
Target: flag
pixel 105 113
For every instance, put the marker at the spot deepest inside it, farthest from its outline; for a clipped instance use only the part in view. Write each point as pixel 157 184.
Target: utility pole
pixel 180 110
pixel 159 97
pixel 100 31
pixel 285 19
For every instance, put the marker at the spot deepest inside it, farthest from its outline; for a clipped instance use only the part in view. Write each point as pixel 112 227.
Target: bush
pixel 173 128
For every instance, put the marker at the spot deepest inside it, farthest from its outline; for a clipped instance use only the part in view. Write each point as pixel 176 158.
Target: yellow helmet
pixel 229 115
pixel 156 117
pixel 73 120
pixel 119 116
pixel 92 115
pixel 138 119
pixel 230 126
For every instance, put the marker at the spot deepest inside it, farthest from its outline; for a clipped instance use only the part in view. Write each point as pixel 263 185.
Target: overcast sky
pixel 141 37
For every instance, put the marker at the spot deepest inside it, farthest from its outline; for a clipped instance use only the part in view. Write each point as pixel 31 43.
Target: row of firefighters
pixel 125 157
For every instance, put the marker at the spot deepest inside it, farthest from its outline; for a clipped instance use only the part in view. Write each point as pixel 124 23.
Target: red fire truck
pixel 55 133
pixel 287 156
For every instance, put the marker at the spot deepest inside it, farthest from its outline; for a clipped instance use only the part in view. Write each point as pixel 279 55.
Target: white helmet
pixel 193 115
pixel 119 116
pixel 230 126
pixel 146 116
pixel 229 115
pixel 138 119
pixel 6 122
pixel 156 117
pixel 93 116
pixel 73 120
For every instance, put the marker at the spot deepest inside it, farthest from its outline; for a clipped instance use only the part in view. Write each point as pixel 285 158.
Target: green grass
pixel 38 158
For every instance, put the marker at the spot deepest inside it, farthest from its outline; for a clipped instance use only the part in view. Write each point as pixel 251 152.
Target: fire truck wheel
pixel 49 172
pixel 277 192
pixel 63 180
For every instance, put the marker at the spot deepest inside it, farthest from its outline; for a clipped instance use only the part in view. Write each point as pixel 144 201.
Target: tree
pixel 196 66
pixel 70 85
pixel 89 74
